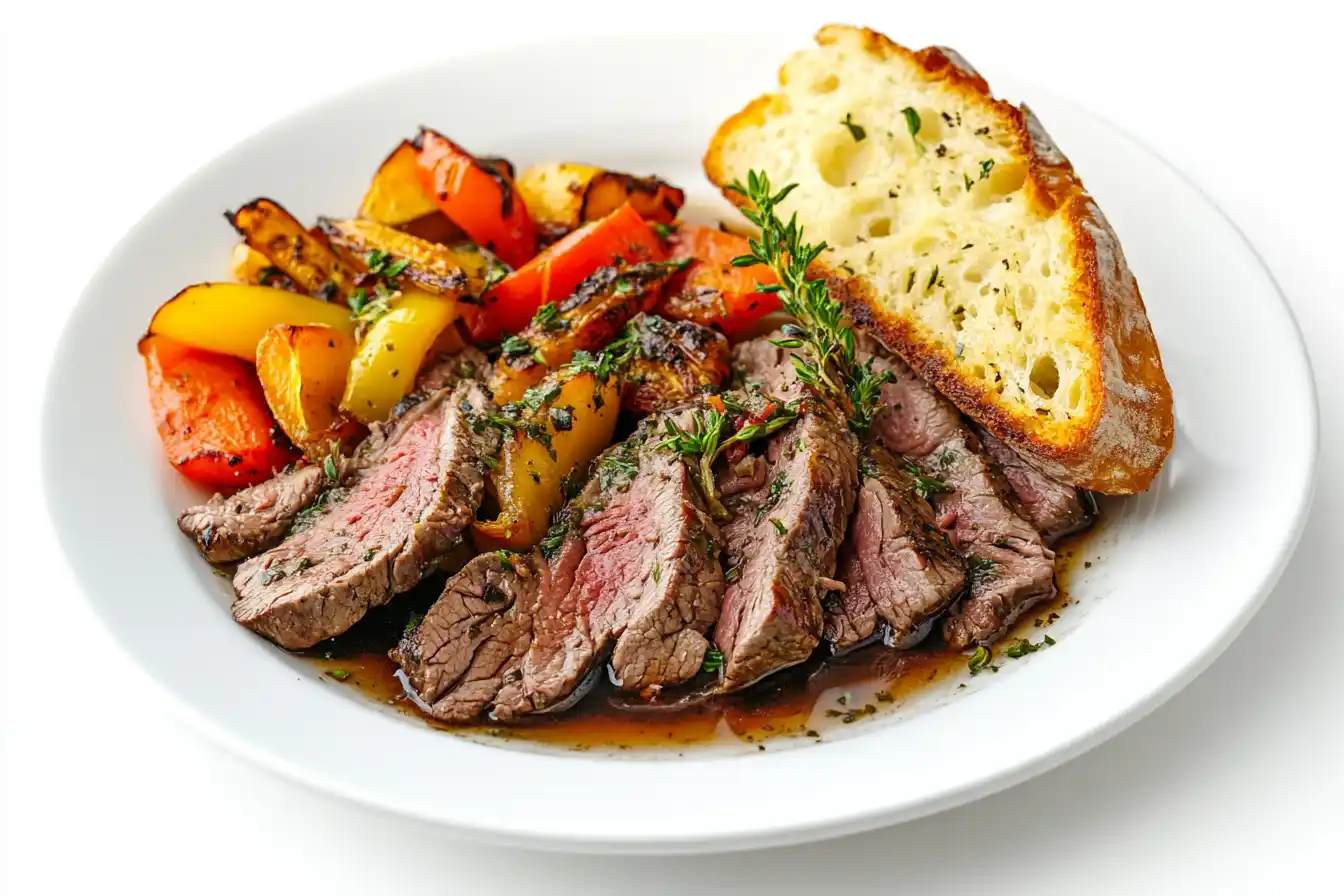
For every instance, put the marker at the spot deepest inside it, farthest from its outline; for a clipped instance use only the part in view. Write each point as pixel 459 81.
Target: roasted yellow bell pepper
pixel 305 259
pixel 395 197
pixel 391 352
pixel 231 318
pixel 573 421
pixel 302 372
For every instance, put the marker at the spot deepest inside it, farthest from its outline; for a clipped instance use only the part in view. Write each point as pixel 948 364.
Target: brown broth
pixel 808 700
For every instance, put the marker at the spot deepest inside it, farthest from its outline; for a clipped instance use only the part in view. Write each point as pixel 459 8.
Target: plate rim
pixel 973 788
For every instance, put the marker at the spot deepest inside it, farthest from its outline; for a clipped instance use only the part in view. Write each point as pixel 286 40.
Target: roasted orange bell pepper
pixel 480 199
pixel 711 292
pixel 553 275
pixel 212 415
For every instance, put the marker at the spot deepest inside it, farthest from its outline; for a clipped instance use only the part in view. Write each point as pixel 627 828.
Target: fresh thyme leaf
pixel 514 346
pixel 828 362
pixel 855 130
pixel 713 660
pixel 912 124
pixel 979 660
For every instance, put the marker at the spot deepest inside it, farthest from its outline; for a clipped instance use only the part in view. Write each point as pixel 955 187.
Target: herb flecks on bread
pixel 960 234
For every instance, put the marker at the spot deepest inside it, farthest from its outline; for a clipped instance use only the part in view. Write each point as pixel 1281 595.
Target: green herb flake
pixel 338 674
pixel 979 660
pixel 412 623
pixel 657 571
pixel 913 124
pixel 514 346
pixel 779 525
pixel 713 660
pixel 548 318
pixel 986 166
pixel 855 130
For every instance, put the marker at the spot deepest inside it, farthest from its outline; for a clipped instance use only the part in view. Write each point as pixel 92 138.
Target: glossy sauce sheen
pixel 807 700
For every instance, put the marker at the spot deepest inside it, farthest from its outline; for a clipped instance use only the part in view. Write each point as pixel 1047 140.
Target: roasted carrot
pixel 212 415
pixel 712 292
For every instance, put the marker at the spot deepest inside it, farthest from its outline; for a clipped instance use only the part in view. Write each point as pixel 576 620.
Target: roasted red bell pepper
pixel 479 198
pixel 212 415
pixel 553 275
pixel 712 292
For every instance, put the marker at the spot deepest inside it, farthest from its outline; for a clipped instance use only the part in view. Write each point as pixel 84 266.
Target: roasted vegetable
pixel 232 317
pixel 247 265
pixel 391 351
pixel 711 291
pixel 395 198
pixel 306 260
pixel 554 274
pixel 554 432
pixel 563 195
pixel 452 272
pixel 212 415
pixel 586 320
pixel 480 199
pixel 302 372
pixel 669 361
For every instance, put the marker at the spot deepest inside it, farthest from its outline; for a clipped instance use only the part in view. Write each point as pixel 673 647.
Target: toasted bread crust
pixel 1121 443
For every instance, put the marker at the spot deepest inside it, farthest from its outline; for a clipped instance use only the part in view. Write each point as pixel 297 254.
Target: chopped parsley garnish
pixel 412 623
pixel 986 166
pixel 779 525
pixel 494 273
pixel 969 183
pixel 855 130
pixel 979 660
pixel 657 571
pixel 547 318
pixel 912 124
pixel 339 674
pixel 514 346
pixel 664 231
pixel 773 494
pixel 713 660
pixel 554 537
pixel 538 396
pixel 1022 647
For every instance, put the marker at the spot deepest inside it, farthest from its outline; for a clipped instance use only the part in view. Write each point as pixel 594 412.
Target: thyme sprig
pixel 829 362
pixel 705 438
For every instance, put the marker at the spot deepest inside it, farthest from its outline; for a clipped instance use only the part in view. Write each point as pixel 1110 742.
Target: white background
pixel 1235 786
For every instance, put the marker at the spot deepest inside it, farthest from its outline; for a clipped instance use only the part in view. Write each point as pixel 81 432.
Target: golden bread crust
pixel 1119 444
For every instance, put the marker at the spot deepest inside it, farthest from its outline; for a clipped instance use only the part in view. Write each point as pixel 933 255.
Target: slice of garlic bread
pixel 961 236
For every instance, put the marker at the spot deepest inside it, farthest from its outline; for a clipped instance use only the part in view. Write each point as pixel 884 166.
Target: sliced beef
pixel 446 371
pixel 254 519
pixel 417 486
pixel 897 566
pixel 758 364
pixel 1009 567
pixel 1053 508
pixel 474 635
pixel 636 575
pixel 781 546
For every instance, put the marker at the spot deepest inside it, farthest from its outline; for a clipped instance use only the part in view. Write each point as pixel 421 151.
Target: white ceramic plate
pixel 1176 572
